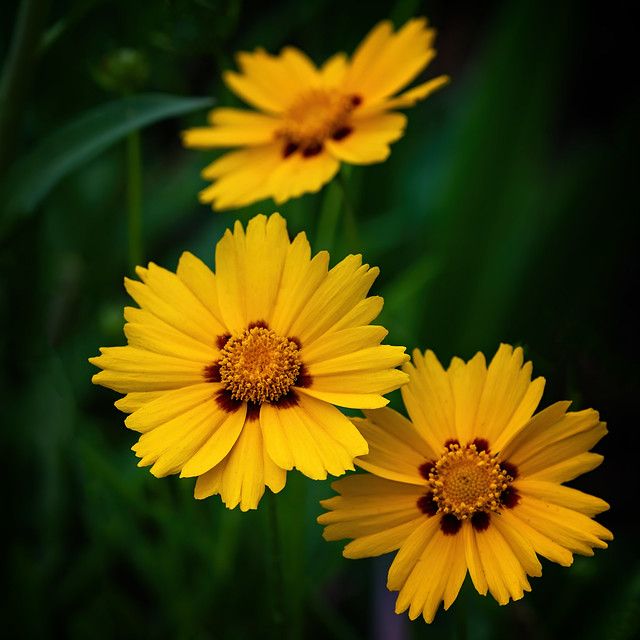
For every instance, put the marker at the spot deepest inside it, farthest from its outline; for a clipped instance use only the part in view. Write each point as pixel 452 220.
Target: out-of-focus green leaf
pixel 33 176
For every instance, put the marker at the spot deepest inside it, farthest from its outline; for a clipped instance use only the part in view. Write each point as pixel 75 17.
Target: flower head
pixel 309 120
pixel 233 377
pixel 472 483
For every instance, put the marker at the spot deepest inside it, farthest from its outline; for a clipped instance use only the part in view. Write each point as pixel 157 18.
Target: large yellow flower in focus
pixel 309 120
pixel 472 483
pixel 232 377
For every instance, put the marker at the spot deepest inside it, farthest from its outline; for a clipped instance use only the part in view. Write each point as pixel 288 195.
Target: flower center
pixel 259 365
pixel 466 480
pixel 315 116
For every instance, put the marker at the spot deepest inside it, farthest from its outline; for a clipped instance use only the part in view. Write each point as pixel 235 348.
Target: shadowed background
pixel 506 213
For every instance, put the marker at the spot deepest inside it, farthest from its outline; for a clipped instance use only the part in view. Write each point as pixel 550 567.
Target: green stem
pixel 350 219
pixel 16 72
pixel 277 596
pixel 134 198
pixel 328 218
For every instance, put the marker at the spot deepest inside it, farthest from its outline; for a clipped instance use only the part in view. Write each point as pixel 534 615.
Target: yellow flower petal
pixel 467 382
pixel 429 400
pixel 396 449
pixel 344 286
pixel 137 399
pixel 248 182
pixel 563 496
pixel 504 573
pixel 243 479
pixel 232 128
pixel 570 529
pixel 337 343
pixel 201 281
pixel 171 444
pixel 298 174
pixel 386 62
pixel 507 400
pixel 168 406
pixel 333 70
pixel 367 506
pixel 370 138
pixel 409 98
pixel 409 554
pixel 215 371
pixel 568 469
pixel 312 119
pixel 552 437
pixel 490 499
pixel 130 369
pixel 223 438
pixel 347 400
pixel 473 560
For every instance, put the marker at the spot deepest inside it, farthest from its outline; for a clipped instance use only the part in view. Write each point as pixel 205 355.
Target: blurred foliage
pixel 506 213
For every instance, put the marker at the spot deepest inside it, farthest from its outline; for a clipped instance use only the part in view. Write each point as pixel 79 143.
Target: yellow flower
pixel 473 483
pixel 309 119
pixel 232 377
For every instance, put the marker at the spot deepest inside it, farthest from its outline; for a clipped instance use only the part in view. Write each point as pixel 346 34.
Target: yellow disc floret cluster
pixel 259 365
pixel 466 480
pixel 316 115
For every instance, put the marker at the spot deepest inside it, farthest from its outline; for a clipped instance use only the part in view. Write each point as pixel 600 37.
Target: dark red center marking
pixel 511 469
pixel 290 399
pixel 426 468
pixel 289 149
pixel 312 150
pixel 226 402
pixel 222 340
pixel 481 444
pixel 450 442
pixel 427 504
pixel 480 520
pixel 212 372
pixel 303 379
pixel 342 133
pixel 509 498
pixel 449 524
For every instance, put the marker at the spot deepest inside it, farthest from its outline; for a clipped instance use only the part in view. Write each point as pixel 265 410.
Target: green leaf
pixel 69 147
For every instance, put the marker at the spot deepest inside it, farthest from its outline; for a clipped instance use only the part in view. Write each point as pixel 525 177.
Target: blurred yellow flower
pixel 472 483
pixel 232 377
pixel 309 119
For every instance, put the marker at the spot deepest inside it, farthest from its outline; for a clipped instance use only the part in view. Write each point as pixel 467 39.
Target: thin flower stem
pixel 328 218
pixel 134 198
pixel 350 219
pixel 277 596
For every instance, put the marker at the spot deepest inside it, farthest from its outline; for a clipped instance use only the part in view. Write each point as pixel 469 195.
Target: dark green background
pixel 506 213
